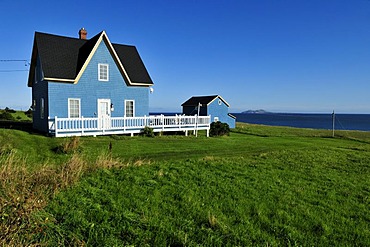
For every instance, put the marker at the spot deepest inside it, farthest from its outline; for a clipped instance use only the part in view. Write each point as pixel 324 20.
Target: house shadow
pixel 18 125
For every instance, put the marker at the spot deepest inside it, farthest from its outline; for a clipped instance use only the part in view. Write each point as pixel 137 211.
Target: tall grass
pixel 24 191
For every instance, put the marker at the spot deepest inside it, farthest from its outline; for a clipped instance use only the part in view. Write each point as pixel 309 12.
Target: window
pixel 219 102
pixel 129 108
pixel 36 75
pixel 74 108
pixel 103 72
pixel 216 119
pixel 42 108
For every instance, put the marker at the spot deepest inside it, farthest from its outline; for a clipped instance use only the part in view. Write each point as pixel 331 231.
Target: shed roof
pixel 63 58
pixel 203 100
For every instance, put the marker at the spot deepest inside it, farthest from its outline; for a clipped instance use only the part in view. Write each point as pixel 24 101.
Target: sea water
pixel 314 121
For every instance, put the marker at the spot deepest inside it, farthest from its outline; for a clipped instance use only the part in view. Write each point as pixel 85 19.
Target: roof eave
pixel 59 80
pixel 218 96
pixel 31 73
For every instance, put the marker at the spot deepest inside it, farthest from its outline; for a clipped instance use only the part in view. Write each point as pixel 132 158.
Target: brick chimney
pixel 82 33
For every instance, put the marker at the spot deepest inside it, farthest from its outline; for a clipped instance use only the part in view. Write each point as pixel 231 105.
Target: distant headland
pixel 260 111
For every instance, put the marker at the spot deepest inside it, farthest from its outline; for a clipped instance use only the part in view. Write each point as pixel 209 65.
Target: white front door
pixel 104 113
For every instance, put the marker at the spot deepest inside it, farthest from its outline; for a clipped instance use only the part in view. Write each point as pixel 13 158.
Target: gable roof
pixel 64 59
pixel 203 100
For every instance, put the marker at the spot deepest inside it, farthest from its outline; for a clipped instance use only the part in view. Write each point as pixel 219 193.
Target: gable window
pixel 42 108
pixel 74 108
pixel 103 72
pixel 129 108
pixel 36 76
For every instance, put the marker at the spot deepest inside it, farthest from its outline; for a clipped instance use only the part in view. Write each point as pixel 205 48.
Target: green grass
pixel 259 186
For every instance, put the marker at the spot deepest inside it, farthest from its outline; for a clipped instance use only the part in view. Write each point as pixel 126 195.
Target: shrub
pixel 6 115
pixel 148 132
pixel 29 113
pixel 219 129
pixel 7 109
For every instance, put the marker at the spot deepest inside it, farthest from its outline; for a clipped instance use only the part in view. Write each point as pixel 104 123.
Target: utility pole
pixel 333 119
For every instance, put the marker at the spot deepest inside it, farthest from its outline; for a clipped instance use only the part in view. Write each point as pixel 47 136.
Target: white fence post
pixel 82 125
pixel 162 116
pixel 56 126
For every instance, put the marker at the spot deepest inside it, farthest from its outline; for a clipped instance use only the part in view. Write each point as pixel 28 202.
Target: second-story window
pixel 103 72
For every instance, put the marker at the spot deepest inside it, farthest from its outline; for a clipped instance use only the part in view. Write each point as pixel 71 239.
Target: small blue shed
pixel 213 105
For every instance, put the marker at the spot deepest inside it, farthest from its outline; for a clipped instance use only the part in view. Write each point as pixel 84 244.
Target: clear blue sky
pixel 277 55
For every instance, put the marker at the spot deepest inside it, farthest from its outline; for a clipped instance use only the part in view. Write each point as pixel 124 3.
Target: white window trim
pixel 69 107
pixel 99 76
pixel 216 119
pixel 42 108
pixel 133 106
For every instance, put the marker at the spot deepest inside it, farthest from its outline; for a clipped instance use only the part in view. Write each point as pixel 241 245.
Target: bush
pixel 7 109
pixel 29 113
pixel 6 116
pixel 219 129
pixel 148 132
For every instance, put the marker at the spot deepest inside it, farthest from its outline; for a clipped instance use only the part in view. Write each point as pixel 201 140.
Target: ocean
pixel 314 121
pixel 302 120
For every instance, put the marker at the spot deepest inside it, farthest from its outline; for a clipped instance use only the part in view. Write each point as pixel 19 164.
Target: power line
pixel 13 70
pixel 13 60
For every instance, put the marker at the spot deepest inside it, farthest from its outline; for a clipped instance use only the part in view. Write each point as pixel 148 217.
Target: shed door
pixel 104 113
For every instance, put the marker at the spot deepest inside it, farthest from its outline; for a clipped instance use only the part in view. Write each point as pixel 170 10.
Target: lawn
pixel 259 186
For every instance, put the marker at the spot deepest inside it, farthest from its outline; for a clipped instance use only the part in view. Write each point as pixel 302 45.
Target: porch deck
pixel 63 127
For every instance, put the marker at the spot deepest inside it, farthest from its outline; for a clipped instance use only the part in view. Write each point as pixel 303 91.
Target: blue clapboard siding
pixel 218 108
pixel 89 89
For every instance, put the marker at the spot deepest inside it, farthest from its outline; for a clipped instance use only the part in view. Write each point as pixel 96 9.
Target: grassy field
pixel 259 186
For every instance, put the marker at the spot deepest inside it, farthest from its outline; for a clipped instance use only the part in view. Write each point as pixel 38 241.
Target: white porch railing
pixel 61 127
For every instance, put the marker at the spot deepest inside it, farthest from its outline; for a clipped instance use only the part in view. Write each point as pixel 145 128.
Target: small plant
pixel 70 145
pixel 148 132
pixel 5 148
pixel 219 129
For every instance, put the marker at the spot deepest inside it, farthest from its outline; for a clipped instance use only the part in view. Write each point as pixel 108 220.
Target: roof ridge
pixel 58 36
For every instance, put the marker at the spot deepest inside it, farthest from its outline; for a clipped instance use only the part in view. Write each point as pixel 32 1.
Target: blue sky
pixel 277 55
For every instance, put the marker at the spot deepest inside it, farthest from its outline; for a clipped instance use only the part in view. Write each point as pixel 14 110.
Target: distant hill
pixel 254 112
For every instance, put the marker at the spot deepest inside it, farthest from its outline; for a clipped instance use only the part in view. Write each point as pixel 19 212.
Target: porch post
pixel 82 125
pixel 162 116
pixel 196 126
pixel 56 126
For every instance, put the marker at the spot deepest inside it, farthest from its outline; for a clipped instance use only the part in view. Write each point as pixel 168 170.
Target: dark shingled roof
pixel 194 101
pixel 63 57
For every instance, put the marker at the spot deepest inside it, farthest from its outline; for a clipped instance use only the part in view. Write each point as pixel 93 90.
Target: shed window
pixel 74 108
pixel 129 108
pixel 103 72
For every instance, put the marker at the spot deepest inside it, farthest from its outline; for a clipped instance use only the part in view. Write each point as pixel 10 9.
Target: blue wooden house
pixel 213 105
pixel 92 87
